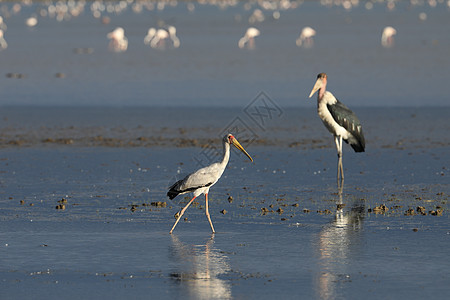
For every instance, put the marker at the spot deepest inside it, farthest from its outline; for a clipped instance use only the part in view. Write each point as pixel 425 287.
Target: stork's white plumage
pixel 339 120
pixel 202 180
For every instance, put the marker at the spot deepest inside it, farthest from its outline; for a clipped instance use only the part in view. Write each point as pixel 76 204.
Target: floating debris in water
pixel 421 210
pixel 379 209
pixel 438 212
pixel 340 206
pixel 16 75
pixel 159 204
pixel 410 212
pixel 61 207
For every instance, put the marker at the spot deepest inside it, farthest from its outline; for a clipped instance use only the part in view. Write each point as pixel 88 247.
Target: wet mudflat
pixel 93 222
pixel 90 140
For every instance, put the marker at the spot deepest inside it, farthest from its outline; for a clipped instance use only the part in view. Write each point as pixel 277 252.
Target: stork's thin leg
pixel 340 168
pixel 340 158
pixel 336 140
pixel 181 214
pixel 207 214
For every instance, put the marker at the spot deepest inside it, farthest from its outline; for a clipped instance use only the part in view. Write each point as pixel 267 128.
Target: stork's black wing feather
pixel 347 119
pixel 176 189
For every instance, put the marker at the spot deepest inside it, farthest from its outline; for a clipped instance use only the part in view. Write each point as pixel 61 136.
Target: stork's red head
pixel 230 139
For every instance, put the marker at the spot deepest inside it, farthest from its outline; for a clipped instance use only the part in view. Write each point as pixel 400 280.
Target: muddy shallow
pixel 282 234
pixel 90 141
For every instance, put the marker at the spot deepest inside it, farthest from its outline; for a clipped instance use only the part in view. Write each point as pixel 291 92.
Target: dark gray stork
pixel 203 179
pixel 339 120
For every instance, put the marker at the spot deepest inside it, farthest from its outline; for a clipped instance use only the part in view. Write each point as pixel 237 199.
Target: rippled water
pixel 112 130
pixel 281 235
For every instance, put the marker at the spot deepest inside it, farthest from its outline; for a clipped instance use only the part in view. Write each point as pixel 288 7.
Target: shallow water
pixel 113 133
pixel 100 246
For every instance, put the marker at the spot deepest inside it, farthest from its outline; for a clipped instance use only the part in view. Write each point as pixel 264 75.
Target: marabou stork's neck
pixel 322 90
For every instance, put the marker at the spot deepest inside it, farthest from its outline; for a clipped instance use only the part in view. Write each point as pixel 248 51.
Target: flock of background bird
pixel 158 38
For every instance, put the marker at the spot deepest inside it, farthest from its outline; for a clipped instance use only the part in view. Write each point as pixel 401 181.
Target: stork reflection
pixel 197 270
pixel 338 243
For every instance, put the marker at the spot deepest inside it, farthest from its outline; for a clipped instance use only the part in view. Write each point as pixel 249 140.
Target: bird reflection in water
pixel 198 268
pixel 338 243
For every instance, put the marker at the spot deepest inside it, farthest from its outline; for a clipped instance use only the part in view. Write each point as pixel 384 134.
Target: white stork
pixel 339 120
pixel 202 180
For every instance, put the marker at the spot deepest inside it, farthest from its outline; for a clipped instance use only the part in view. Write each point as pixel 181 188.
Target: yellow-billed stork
pixel 203 179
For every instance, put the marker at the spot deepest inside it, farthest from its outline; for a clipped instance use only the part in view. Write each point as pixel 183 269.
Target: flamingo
pixel 249 38
pixel 387 37
pixel 118 43
pixel 306 37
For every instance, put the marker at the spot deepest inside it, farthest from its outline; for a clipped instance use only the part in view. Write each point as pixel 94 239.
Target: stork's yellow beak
pixel 317 86
pixel 237 145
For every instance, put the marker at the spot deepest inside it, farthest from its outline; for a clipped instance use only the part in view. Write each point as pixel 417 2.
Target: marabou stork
pixel 339 120
pixel 202 180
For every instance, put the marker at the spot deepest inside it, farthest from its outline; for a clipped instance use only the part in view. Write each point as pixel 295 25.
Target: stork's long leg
pixel 181 213
pixel 207 214
pixel 336 140
pixel 340 168
pixel 340 158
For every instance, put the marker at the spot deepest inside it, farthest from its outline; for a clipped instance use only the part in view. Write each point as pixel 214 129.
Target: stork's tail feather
pixel 358 147
pixel 357 141
pixel 173 190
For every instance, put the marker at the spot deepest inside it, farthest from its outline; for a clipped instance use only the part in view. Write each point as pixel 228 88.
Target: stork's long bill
pixel 237 145
pixel 321 81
